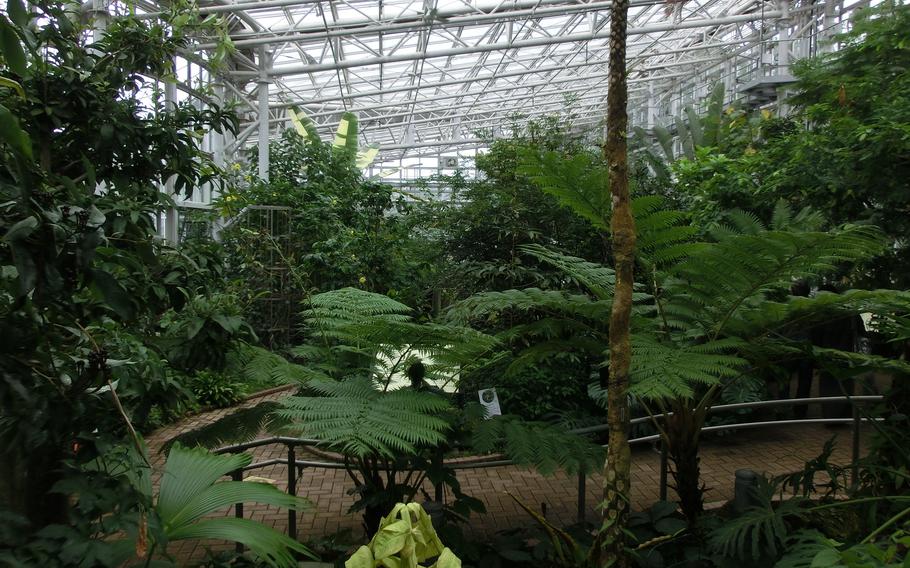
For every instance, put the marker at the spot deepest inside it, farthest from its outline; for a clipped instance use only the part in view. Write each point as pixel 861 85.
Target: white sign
pixel 490 402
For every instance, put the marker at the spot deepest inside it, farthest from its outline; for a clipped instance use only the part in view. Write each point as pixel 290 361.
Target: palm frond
pixel 269 545
pixel 190 490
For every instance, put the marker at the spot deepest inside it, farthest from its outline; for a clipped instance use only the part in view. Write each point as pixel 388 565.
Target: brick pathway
pixel 774 450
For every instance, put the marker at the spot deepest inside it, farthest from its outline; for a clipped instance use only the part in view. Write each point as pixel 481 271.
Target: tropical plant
pixel 215 389
pixel 190 490
pixel 405 537
pixel 201 335
pixel 394 436
pixel 712 318
pixel 490 216
pixel 142 526
pixel 74 117
pixel 345 137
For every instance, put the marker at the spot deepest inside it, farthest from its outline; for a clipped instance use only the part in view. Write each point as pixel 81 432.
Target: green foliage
pixel 191 490
pixel 359 333
pixel 758 534
pixel 578 182
pixel 491 216
pixel 338 230
pixel 200 335
pixel 811 549
pixel 405 537
pixel 664 370
pixel 79 267
pixel 363 421
pixel 545 447
pixel 215 389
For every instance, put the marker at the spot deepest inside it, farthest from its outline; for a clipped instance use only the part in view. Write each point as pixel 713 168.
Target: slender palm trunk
pixel 622 228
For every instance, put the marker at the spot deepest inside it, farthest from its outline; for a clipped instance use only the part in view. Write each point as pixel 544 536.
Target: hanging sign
pixel 490 402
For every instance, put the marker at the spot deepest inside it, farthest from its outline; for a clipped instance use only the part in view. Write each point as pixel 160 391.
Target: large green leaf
pixel 226 493
pixel 346 135
pixel 17 12
pixel 12 134
pixel 269 545
pixel 21 229
pixel 188 472
pixel 12 48
pixel 303 124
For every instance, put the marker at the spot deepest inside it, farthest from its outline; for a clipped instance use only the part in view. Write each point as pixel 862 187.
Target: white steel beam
pixel 536 42
pixel 518 73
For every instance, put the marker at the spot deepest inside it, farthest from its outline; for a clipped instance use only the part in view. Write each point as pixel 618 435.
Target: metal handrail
pixel 295 465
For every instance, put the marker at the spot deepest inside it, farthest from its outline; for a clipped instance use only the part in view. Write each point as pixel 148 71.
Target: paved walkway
pixel 772 450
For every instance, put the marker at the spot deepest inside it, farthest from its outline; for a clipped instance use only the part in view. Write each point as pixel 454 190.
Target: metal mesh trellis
pixel 258 243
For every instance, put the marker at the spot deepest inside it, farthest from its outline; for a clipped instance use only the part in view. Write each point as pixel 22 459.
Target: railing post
pixel 582 478
pixel 663 470
pixel 292 490
pixel 237 475
pixel 854 474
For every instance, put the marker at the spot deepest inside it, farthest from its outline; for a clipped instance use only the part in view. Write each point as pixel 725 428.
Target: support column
pixel 263 115
pixel 171 215
pixel 783 55
pixel 783 44
pixel 99 19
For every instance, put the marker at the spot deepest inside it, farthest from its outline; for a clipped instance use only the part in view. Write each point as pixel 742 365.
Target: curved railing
pixel 295 466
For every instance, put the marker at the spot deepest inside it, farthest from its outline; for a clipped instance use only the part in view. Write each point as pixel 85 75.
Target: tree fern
pixel 596 278
pixel 355 333
pixel 664 235
pixel 716 281
pixel 667 370
pixel 545 447
pixel 579 182
pixel 260 366
pixel 357 419
pixel 487 306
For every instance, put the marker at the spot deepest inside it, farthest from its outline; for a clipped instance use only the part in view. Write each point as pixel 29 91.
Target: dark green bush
pixel 216 389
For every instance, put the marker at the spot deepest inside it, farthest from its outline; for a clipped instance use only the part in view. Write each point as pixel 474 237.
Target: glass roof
pixel 436 76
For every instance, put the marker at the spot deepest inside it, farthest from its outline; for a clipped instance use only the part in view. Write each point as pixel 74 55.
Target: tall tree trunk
pixel 622 228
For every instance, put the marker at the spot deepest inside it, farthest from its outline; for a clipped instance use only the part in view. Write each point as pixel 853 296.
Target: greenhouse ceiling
pixel 439 77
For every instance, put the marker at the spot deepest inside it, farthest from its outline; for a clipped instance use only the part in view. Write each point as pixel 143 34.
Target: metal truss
pixel 438 77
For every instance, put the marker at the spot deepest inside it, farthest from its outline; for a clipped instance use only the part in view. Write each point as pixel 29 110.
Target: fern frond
pixel 579 182
pixel 717 281
pixel 259 366
pixel 597 278
pixel 803 313
pixel 664 370
pixel 663 235
pixel 489 305
pixel 546 447
pixel 355 418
